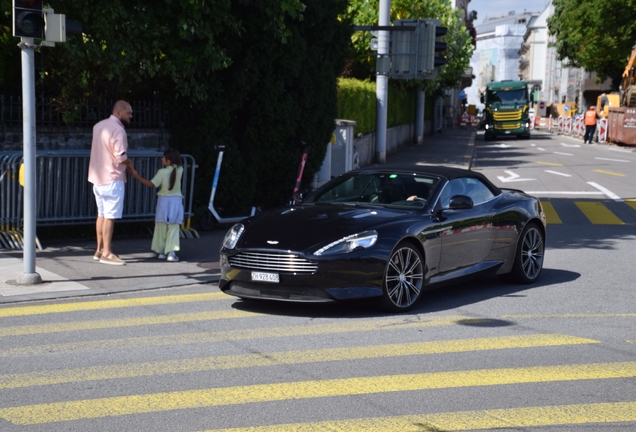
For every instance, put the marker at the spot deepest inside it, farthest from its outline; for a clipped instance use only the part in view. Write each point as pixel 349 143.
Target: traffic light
pixel 58 28
pixel 440 47
pixel 27 19
pixel 430 48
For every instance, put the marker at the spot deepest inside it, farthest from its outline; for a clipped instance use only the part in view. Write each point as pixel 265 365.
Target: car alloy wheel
pixel 403 278
pixel 529 258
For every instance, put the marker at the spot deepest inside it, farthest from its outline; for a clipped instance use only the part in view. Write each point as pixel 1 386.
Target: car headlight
pixel 232 236
pixel 350 243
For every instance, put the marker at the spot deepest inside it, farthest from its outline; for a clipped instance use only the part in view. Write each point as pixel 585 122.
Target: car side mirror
pixel 460 202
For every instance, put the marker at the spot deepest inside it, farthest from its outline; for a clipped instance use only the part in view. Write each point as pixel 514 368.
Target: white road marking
pixel 613 160
pixel 558 173
pixel 607 192
pixel 512 177
pixel 502 145
pixel 570 145
pixel 564 154
pixel 620 150
pixel 541 149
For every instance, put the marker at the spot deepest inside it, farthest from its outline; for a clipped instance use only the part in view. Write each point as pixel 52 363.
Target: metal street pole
pixel 382 85
pixel 419 116
pixel 29 275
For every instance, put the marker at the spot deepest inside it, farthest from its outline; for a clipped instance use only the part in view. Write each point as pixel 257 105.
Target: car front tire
pixel 403 278
pixel 529 255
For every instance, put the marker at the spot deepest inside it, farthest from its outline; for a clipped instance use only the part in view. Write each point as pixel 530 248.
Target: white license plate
pixel 265 277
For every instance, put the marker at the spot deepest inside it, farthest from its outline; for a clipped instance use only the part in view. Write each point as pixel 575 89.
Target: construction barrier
pixel 561 125
pixel 579 127
pixel 65 197
pixel 568 126
pixel 602 130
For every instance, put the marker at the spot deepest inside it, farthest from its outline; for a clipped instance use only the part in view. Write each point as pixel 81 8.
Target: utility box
pixel 341 155
pixel 343 152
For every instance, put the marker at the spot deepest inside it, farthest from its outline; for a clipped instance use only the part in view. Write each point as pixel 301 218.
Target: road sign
pixel 541 109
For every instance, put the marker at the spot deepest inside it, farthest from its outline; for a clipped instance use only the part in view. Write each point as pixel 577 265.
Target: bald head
pixel 123 111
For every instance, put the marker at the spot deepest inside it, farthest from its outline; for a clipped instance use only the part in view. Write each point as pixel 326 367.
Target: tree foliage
pixel 595 35
pixel 130 46
pixel 258 76
pixel 272 96
pixel 459 48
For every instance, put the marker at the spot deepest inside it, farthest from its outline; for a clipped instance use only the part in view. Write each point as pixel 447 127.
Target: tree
pixel 271 97
pixel 459 47
pixel 597 35
pixel 258 76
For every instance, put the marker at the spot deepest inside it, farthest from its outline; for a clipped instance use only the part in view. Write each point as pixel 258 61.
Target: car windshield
pixel 504 96
pixel 387 189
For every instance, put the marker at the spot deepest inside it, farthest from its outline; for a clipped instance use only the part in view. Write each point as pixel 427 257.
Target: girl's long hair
pixel 175 159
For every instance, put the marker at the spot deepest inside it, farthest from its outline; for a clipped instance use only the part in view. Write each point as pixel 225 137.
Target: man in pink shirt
pixel 107 172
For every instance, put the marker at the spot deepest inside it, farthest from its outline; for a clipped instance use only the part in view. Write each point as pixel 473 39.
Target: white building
pixel 497 54
pixel 552 79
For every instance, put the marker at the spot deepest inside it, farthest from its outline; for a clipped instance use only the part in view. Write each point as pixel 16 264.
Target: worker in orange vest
pixel 590 124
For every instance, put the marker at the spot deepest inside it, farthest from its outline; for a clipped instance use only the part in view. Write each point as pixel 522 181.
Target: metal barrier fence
pixel 65 197
pixel 53 113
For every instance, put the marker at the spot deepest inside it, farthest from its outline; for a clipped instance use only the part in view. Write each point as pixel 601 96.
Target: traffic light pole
pixel 29 275
pixel 382 85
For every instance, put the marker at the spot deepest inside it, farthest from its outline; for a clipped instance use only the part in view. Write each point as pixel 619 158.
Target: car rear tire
pixel 529 255
pixel 403 278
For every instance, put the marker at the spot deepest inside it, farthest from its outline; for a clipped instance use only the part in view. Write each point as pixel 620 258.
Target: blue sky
pixel 496 8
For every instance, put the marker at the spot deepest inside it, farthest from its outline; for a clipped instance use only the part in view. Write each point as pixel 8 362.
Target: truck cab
pixel 507 110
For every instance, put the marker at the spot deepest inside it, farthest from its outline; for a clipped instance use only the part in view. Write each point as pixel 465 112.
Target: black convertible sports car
pixel 385 234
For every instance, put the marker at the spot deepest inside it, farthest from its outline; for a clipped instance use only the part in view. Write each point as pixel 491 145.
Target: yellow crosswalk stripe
pixel 116 323
pixel 597 213
pixel 632 204
pixel 550 213
pixel 165 401
pixel 562 415
pixel 98 373
pixel 234 335
pixel 610 173
pixel 110 304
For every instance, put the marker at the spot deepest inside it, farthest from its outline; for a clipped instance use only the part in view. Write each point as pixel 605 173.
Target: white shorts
pixel 110 199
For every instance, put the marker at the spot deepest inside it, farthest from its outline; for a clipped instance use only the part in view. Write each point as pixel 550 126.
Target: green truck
pixel 507 109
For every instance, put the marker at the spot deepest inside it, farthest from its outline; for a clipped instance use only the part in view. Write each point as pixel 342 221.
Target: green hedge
pixel 356 101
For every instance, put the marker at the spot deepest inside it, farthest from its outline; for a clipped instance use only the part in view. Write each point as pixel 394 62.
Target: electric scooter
pixel 211 216
pixel 296 194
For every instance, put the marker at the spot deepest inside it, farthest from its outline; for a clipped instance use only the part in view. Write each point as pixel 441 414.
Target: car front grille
pixel 270 261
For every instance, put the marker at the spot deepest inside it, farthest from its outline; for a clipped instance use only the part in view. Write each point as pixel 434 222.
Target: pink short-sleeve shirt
pixel 108 151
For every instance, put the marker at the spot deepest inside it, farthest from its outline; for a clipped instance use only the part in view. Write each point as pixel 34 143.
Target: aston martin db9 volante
pixel 385 234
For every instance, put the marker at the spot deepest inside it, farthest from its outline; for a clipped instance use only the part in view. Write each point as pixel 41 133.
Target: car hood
pixel 299 228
